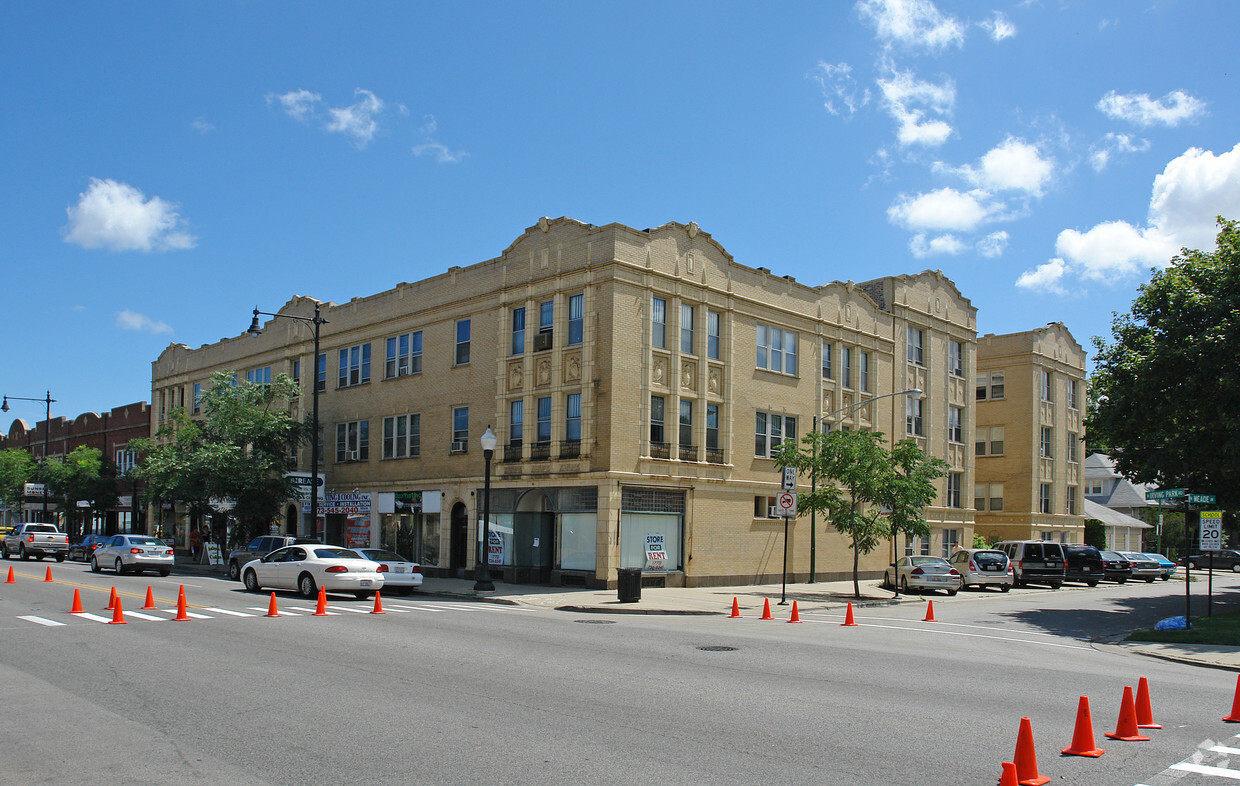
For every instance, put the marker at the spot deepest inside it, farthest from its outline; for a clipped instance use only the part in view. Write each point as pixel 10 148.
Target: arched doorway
pixel 290 520
pixel 533 528
pixel 458 540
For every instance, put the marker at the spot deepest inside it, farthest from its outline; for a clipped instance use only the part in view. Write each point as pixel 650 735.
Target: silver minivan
pixel 1035 561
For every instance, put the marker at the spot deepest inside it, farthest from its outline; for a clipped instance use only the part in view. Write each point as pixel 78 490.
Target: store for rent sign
pixel 495 548
pixel 656 552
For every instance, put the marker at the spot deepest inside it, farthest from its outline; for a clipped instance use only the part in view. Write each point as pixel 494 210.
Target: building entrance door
pixel 458 540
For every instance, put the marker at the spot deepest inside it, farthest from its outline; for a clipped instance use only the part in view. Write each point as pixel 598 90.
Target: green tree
pixel 866 490
pixel 17 467
pixel 1095 534
pixel 1167 385
pixel 240 450
pixel 83 475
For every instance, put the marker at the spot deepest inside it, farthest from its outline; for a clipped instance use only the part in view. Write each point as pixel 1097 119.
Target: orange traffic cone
pixel 930 612
pixel 1026 758
pixel 150 600
pixel 1008 778
pixel 118 616
pixel 1145 714
pixel 1126 726
pixel 48 577
pixel 848 616
pixel 321 609
pixel 181 615
pixel 766 610
pixel 735 615
pixel 795 616
pixel 378 609
pixel 76 608
pixel 1083 735
pixel 1234 717
pixel 112 600
pixel 10 579
pixel 271 607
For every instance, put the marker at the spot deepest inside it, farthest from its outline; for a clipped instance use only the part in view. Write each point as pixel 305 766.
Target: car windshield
pixel 335 553
pixel 381 555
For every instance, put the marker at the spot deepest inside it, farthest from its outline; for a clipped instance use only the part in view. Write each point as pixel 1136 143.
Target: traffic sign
pixel 1200 499
pixel 1165 494
pixel 1211 529
pixel 790 478
pixel 786 503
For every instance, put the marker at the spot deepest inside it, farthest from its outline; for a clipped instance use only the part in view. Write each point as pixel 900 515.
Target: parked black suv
pixel 1082 564
pixel 1035 561
pixel 260 547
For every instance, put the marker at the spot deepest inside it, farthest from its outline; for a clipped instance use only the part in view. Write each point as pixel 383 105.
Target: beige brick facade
pixel 575 497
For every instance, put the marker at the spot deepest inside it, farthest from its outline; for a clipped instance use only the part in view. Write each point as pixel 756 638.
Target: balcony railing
pixel 660 450
pixel 714 456
pixel 512 451
pixel 540 451
pixel 687 452
pixel 570 449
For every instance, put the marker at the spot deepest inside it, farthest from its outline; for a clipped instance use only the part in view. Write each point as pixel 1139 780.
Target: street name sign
pixel 1200 499
pixel 1211 530
pixel 1165 494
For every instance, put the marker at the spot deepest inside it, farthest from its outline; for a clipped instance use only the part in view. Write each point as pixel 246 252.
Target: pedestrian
pixel 206 545
pixel 195 544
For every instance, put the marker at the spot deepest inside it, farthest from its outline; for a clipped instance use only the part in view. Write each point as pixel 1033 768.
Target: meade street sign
pixel 1164 494
pixel 1200 499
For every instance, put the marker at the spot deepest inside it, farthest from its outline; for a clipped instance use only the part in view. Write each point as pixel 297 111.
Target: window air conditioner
pixel 458 447
pixel 772 512
pixel 542 341
pixel 350 455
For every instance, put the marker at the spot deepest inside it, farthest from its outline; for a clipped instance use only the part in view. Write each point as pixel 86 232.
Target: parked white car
pixel 136 553
pixel 306 567
pixel 398 573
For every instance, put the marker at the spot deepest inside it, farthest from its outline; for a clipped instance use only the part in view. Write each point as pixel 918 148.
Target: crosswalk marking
pixel 191 614
pixel 419 608
pixel 1201 769
pixel 346 608
pixel 283 612
pixel 227 611
pixel 89 616
pixel 1225 749
pixel 41 621
pixel 141 616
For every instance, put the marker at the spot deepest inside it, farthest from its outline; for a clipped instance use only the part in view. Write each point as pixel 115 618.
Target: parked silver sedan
pixel 1143 565
pixel 136 553
pixel 399 574
pixel 923 573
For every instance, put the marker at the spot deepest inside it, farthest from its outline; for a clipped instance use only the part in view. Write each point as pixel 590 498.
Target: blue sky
pixel 168 166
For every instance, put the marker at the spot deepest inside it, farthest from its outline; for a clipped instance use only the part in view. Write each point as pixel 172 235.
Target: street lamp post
pixel 47 432
pixel 317 321
pixel 813 528
pixel 482 576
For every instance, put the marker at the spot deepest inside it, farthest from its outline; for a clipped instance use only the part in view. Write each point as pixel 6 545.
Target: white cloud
pixel 993 245
pixel 297 104
pixel 1170 110
pixel 914 24
pixel 201 126
pixel 357 120
pixel 1045 278
pixel 945 209
pixel 839 88
pixel 118 217
pixel 131 320
pixel 1100 152
pixel 440 152
pixel 1013 165
pixel 1114 249
pixel 998 27
pixel 913 103
pixel 942 244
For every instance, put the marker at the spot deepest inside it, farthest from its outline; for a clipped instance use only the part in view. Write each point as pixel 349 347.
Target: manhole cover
pixel 717 648
pixel 596 622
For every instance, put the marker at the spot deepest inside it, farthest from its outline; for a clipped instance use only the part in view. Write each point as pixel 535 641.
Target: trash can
pixel 629 584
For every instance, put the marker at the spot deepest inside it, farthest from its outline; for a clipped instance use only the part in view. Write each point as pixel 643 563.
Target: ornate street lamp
pixel 482 575
pixel 47 432
pixel 317 321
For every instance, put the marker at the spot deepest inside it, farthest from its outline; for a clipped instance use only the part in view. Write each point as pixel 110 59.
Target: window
pixel 576 317
pixel 516 419
pixel 462 342
pixel 125 461
pixel 197 397
pixel 765 508
pixel 1072 394
pixel 955 358
pixel 846 367
pixel 989 385
pixel 402 436
pixel 518 330
pixel 1072 440
pixel 955 481
pixel 826 361
pixel 354 367
pixel 320 374
pixel 297 371
pixel 686 328
pixel 353 441
pixel 714 329
pixel 460 430
pixel 712 433
pixel 1048 390
pixel 259 376
pixel 912 417
pixel 989 441
pixel 863 371
pixel 572 420
pixel 951 541
pixel 658 323
pixel 543 426
pixel 658 417
pixel 1094 488
pixel 771 431
pixel 404 355
pixel 1047 441
pixel 996 384
pixel 1044 498
pixel 686 423
pixel 1071 507
pixel 777 350
pixel 916 354
pixel 955 424
pixel 984 495
pixel 546 316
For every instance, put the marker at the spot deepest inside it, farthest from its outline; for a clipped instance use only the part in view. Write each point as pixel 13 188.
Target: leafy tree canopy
pixel 85 476
pixel 17 467
pixel 1166 397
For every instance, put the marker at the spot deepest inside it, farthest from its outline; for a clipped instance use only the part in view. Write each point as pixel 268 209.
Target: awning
pixel 1113 517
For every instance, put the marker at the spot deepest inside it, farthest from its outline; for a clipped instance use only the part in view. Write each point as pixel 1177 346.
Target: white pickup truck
pixel 36 540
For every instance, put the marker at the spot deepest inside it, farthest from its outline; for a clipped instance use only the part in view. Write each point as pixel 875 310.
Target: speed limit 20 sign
pixel 1211 530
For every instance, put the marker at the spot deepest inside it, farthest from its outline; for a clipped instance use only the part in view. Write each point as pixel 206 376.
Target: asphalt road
pixel 441 691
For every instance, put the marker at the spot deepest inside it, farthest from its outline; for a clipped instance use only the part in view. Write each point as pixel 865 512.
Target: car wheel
pixel 60 557
pixel 234 571
pixel 164 573
pixel 1150 579
pixel 1005 587
pixel 887 582
pixel 360 595
pixel 1091 584
pixel 904 585
pixel 1056 585
pixel 120 566
pixel 5 551
pixel 952 593
pixel 21 552
pixel 1165 578
pixel 1235 567
pixel 306 586
pixel 251 581
pixel 94 565
pixel 1120 581
pixel 1192 565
